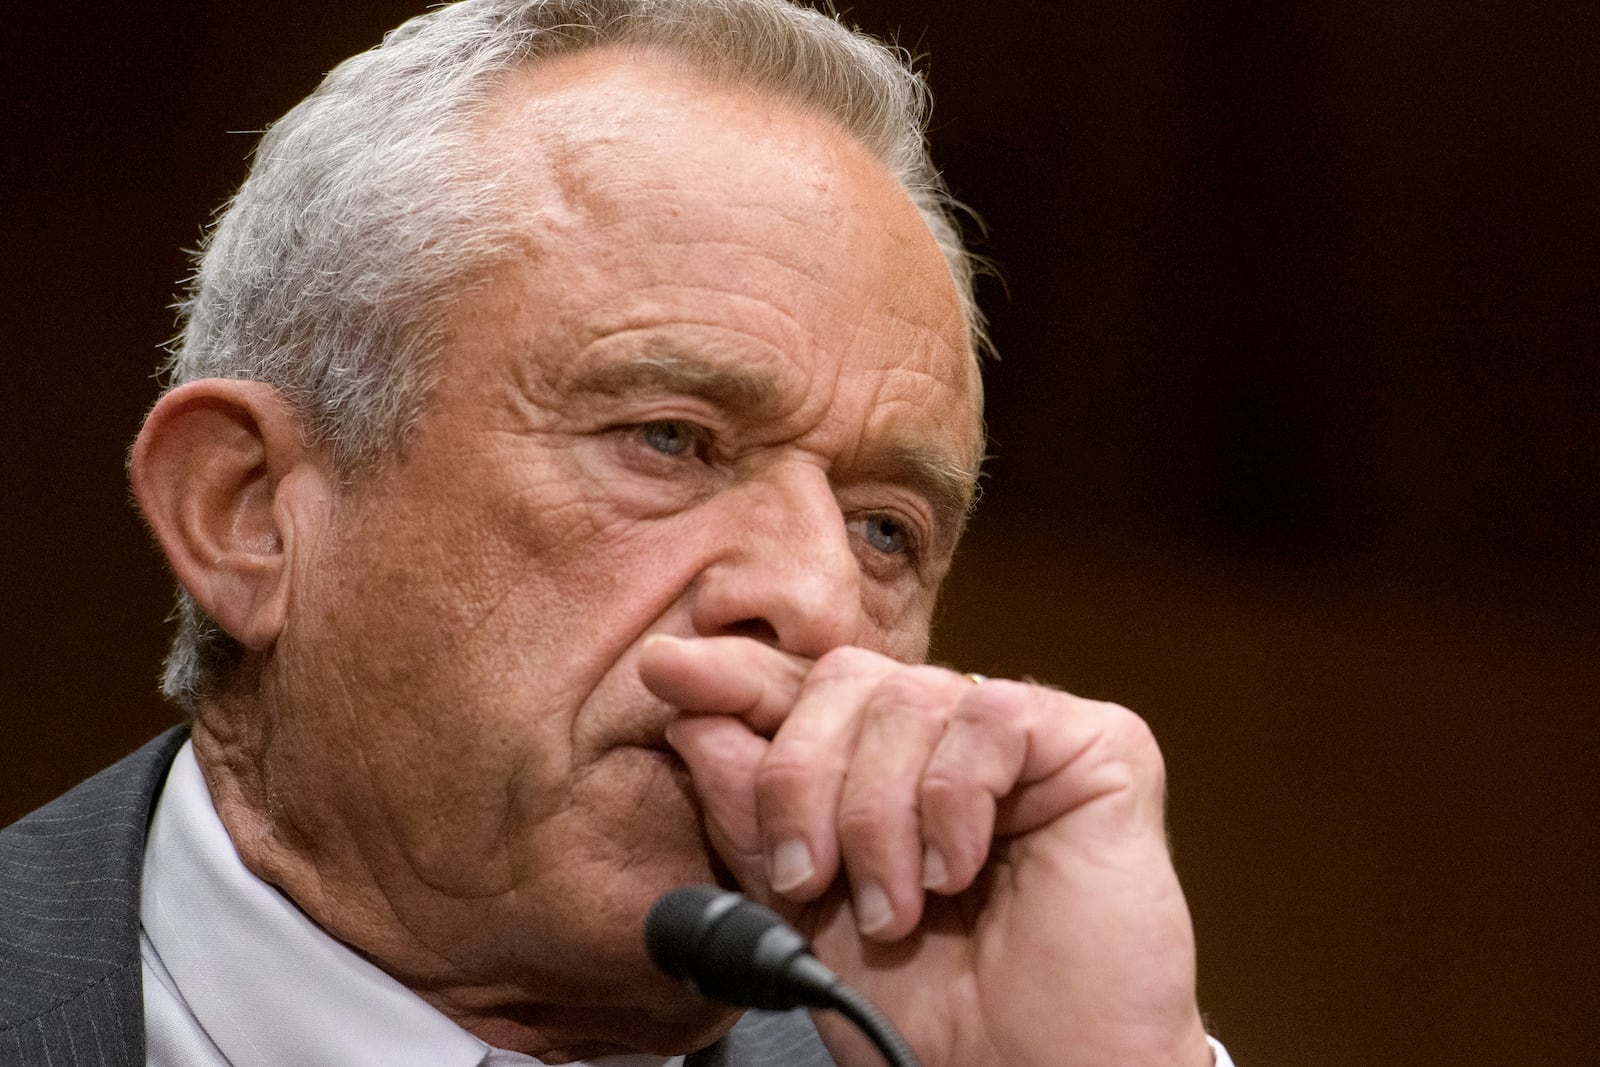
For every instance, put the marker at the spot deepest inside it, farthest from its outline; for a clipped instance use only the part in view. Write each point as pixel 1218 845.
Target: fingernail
pixel 934 871
pixel 671 733
pixel 872 908
pixel 790 865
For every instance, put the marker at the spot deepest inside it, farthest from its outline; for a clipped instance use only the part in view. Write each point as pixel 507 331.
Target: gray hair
pixel 330 273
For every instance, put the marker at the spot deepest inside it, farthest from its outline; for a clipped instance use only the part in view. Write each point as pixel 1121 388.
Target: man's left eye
pixel 670 437
pixel 885 534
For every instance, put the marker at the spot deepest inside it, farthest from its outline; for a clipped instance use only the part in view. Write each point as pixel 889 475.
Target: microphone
pixel 734 950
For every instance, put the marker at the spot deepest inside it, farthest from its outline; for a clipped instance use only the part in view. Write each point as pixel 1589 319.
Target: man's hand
pixel 986 860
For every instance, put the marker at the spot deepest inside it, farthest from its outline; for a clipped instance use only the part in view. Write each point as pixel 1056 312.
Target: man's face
pixel 725 388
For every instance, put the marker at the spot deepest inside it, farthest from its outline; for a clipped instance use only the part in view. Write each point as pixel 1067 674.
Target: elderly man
pixel 576 415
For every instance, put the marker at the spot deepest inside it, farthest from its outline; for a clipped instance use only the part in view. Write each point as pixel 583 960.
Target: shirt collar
pixel 266 983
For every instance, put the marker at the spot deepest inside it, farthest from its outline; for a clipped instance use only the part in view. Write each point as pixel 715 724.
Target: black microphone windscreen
pixel 673 929
pixel 732 949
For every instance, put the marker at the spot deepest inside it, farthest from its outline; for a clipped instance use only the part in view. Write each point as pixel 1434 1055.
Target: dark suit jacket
pixel 70 992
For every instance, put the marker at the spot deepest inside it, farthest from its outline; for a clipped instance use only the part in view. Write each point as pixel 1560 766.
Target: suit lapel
pixel 69 918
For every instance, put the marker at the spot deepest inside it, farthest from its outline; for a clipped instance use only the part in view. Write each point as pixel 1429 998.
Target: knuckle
pixel 791 770
pixel 1000 704
pixel 864 824
pixel 846 661
pixel 1129 752
pixel 945 781
pixel 1130 736
pixel 914 690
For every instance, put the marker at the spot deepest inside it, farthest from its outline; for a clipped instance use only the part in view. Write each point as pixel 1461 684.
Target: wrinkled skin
pixel 695 466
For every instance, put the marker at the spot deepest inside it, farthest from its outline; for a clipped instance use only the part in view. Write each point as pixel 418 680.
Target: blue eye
pixel 885 534
pixel 670 438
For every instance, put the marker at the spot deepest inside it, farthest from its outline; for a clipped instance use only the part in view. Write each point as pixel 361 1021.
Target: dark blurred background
pixel 1294 433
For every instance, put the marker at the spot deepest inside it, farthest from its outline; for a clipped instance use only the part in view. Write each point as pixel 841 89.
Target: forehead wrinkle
pixel 934 463
pixel 743 388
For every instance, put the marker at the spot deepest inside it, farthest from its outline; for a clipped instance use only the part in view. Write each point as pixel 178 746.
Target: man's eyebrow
pixel 744 389
pixel 949 485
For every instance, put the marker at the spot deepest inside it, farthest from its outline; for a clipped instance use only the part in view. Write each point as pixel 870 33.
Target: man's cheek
pixel 899 622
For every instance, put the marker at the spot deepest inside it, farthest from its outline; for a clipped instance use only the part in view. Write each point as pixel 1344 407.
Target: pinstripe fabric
pixel 69 920
pixel 780 1039
pixel 70 993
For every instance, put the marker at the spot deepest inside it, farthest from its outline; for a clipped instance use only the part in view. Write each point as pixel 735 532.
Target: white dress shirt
pixel 237 976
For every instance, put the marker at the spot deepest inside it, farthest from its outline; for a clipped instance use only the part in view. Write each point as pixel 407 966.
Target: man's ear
pixel 227 484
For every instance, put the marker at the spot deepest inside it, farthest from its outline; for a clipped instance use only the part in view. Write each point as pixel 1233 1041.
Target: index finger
pixel 724 675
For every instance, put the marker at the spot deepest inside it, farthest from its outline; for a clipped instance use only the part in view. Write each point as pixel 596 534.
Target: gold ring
pixel 975 678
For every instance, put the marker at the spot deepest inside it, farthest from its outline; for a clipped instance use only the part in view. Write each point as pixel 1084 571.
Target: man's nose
pixel 786 572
